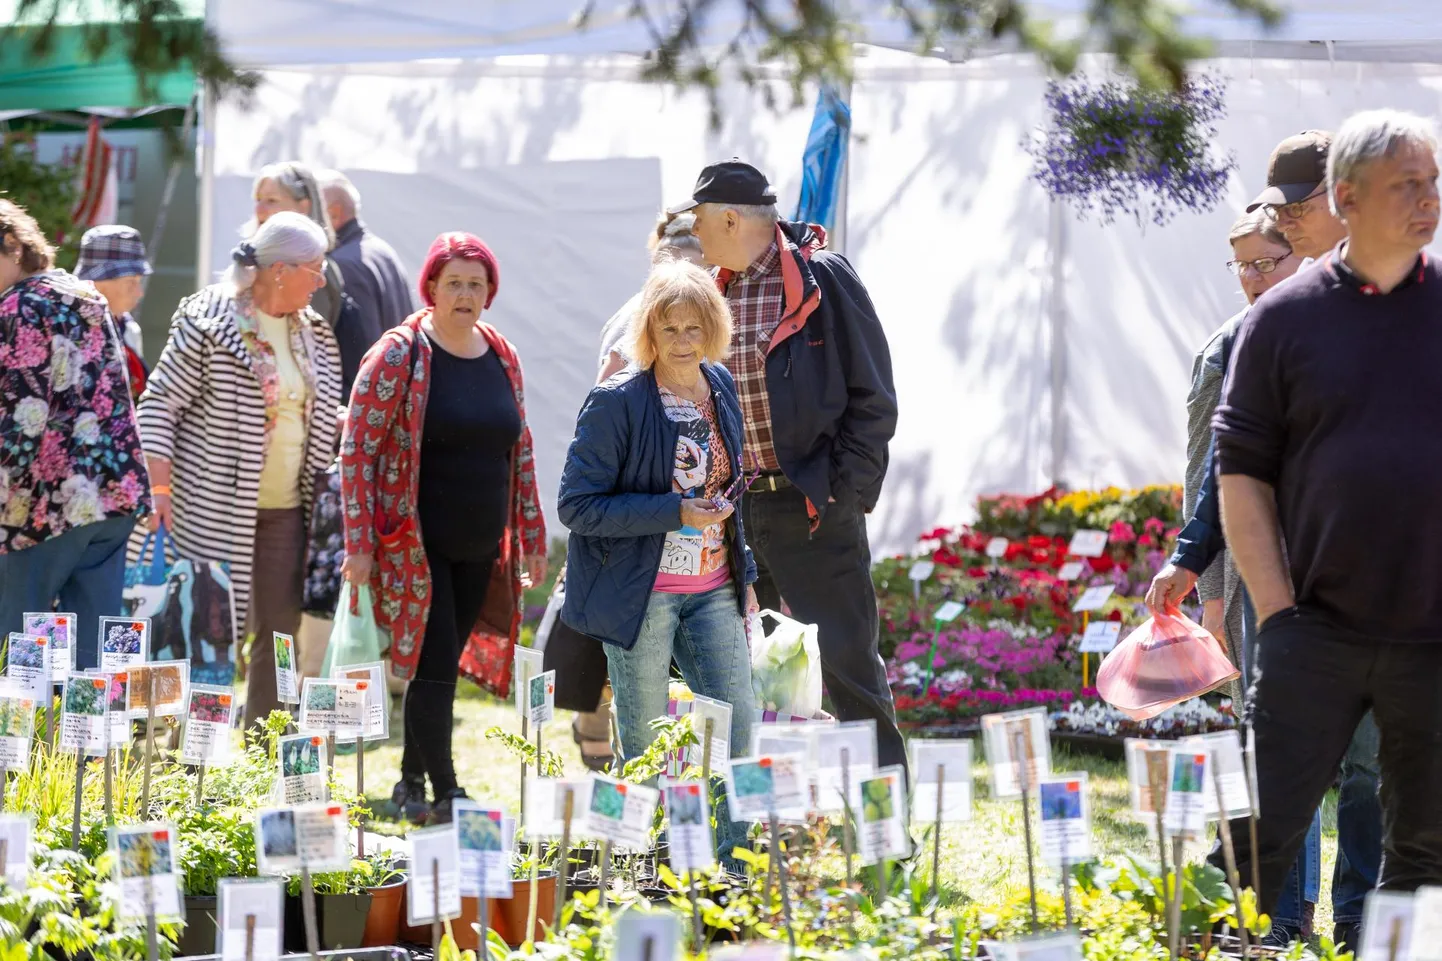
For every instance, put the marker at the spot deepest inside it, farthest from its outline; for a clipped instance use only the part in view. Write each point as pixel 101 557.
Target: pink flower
pixel 31 348
pixel 52 463
pixel 1122 533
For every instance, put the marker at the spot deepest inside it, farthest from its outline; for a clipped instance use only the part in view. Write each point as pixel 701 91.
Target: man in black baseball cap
pixel 1296 194
pixel 732 181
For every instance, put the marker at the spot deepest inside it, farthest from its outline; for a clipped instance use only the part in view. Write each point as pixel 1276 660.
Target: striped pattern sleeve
pixel 173 386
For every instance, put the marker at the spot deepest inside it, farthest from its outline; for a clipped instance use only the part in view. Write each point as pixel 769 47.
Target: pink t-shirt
pixel 694 561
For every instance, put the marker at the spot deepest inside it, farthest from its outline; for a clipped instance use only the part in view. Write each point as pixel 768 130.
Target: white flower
pixel 31 415
pixel 87 428
pixel 66 363
pixel 81 498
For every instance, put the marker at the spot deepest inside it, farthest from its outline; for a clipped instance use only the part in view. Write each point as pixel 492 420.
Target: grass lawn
pixel 983 858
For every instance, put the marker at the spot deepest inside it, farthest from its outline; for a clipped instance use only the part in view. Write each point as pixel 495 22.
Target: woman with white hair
pixel 238 418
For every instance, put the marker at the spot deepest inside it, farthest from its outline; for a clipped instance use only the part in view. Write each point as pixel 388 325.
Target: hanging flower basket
pixel 1113 147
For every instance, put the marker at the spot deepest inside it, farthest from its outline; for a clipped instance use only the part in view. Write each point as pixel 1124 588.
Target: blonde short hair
pixel 679 286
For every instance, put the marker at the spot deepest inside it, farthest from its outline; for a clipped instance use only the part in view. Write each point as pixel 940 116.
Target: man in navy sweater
pixel 1327 442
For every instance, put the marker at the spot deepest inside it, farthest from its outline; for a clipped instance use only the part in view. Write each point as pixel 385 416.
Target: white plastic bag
pixel 786 667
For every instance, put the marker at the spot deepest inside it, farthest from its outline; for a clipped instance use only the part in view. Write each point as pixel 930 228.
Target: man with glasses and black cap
pixel 1295 199
pixel 813 373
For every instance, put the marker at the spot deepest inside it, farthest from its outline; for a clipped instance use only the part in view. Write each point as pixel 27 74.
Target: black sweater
pixel 1335 399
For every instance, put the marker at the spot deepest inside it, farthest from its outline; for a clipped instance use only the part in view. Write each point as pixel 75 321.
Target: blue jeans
pixel 706 636
pixel 84 569
pixel 1359 825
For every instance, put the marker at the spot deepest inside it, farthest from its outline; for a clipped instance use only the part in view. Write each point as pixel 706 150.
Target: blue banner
pixel 824 159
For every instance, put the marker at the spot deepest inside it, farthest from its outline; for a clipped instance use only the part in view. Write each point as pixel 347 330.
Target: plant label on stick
pixel 647 936
pixel 435 878
pixel 333 707
pixel 880 806
pixel 207 726
pixel 302 769
pixel 377 696
pixel 169 680
pixel 1088 543
pixel 1100 637
pixel 17 727
pixel 145 870
pixel 720 714
pixel 1185 816
pixel 118 718
pixel 1005 734
pixel 756 787
pixel 541 699
pixel 948 612
pixel 27 665
pixel 1093 598
pixel 84 728
pixel 1226 757
pixel 15 832
pixel 60 630
pixel 943 765
pixel 996 547
pixel 620 812
pixel 1392 924
pixel 287 680
pixel 311 836
pixel 1426 939
pixel 1148 763
pixel 546 805
pixel 844 753
pixel 249 921
pixel 1070 571
pixel 123 641
pixel 688 812
pixel 1066 836
pixel 528 664
pixel 921 570
pixel 484 855
pixel 1046 947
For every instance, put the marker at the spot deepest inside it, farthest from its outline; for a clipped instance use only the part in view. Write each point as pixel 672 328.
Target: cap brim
pixel 1283 194
pixel 691 204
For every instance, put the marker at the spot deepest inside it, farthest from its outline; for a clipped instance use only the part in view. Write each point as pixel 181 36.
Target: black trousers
pixel 825 577
pixel 458 589
pixel 1313 685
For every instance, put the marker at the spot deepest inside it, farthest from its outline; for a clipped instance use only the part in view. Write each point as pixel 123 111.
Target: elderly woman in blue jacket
pixel 657 566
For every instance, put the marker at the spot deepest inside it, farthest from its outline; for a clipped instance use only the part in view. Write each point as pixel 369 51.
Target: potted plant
pixel 383 874
pixel 342 907
pixel 220 845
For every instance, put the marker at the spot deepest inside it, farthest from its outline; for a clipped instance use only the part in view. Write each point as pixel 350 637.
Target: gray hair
pixel 1257 222
pixel 334 182
pixel 766 212
pixel 1372 135
pixel 298 180
pixel 675 237
pixel 286 238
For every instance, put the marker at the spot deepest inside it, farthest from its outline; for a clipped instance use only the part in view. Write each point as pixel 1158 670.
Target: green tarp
pixel 67 78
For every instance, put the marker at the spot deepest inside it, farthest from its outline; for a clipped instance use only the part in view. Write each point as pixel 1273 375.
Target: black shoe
pixel 408 801
pixel 441 810
pixel 1347 936
pixel 1281 936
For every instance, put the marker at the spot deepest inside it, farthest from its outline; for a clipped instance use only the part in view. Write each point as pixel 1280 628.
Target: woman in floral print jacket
pixel 72 478
pixel 441 515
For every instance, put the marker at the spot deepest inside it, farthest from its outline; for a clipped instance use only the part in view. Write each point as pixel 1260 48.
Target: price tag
pixel 996 547
pixel 435 878
pixel 1093 598
pixel 542 698
pixel 757 786
pixel 287 681
pixel 83 726
pixel 145 871
pixel 60 628
pixel 207 726
pixel 528 663
pixel 302 769
pixel 1088 543
pixel 948 612
pixel 921 570
pixel 1065 819
pixel 689 816
pixel 620 812
pixel 334 707
pixel 720 714
pixel 123 641
pixel 17 727
pixel 485 867
pixel 1100 637
pixel 315 836
pixel 940 767
pixel 858 740
pixel 1186 813
pixel 27 665
pixel 880 805
pixel 1069 571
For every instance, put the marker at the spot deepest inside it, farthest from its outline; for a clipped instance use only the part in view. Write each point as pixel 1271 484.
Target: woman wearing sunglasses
pixel 237 420
pixel 657 566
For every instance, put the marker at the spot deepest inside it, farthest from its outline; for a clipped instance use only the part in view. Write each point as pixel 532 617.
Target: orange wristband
pixel 161 489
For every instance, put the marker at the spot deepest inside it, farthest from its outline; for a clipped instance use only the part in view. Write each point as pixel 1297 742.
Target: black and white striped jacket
pixel 203 410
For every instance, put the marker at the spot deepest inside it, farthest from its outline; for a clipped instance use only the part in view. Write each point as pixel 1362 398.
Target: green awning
pixel 68 78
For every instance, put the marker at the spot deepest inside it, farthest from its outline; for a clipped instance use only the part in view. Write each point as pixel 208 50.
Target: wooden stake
pixel 152 943
pixel 1394 940
pixel 109 784
pixel 605 867
pixel 538 750
pixel 1174 914
pixel 250 937
pixel 1229 857
pixel 848 841
pixel 79 793
pixel 525 735
pixel 199 785
pixel 1023 779
pixel 307 908
pixel 435 907
pixel 1248 763
pixel 936 845
pixel 780 860
pixel 360 790
pixel 4 783
pixel 568 810
pixel 485 908
pixel 329 761
pixel 50 723
pixel 149 742
pixel 1086 660
pixel 4 857
pixel 535 893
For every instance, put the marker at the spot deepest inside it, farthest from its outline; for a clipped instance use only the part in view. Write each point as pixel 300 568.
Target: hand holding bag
pixel 1167 660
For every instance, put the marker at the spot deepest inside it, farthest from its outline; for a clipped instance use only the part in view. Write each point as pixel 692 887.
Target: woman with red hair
pixel 441 514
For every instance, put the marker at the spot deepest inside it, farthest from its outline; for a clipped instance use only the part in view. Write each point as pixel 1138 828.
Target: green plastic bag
pixel 355 638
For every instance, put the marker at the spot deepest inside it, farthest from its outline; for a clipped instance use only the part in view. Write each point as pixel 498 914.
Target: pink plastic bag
pixel 1165 661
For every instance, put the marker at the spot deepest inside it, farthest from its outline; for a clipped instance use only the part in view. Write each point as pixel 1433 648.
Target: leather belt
pixel 769 482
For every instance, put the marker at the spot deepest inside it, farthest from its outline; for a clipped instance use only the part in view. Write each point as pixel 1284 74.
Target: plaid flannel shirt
pixel 756 297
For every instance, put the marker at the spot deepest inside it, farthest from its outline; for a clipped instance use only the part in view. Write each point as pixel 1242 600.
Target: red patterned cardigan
pixel 380 479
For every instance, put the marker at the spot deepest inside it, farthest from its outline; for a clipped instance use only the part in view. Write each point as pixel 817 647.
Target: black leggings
pixel 458 589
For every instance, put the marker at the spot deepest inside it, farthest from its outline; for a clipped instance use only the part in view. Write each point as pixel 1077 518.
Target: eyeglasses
pixel 1295 211
pixel 747 477
pixel 1262 265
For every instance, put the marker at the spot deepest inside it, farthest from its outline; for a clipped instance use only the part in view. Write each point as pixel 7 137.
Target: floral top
pixel 69 447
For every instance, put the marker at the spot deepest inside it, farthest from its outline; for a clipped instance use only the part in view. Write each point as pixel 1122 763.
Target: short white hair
pixel 286 238
pixel 1372 135
pixel 766 212
pixel 298 180
pixel 333 181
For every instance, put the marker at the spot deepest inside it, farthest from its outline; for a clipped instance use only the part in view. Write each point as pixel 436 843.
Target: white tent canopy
pixel 1028 346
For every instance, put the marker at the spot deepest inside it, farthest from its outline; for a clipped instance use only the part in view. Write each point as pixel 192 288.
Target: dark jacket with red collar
pixel 828 376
